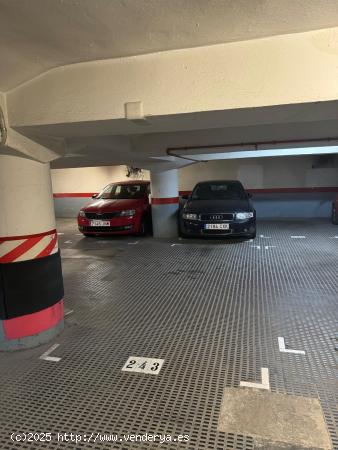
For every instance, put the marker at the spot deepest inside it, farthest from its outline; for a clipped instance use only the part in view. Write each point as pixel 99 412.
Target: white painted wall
pixel 3 108
pixel 88 179
pixel 3 103
pixel 262 173
pixel 322 177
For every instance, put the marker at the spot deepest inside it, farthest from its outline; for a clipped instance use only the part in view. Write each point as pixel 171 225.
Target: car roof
pixel 131 182
pixel 218 181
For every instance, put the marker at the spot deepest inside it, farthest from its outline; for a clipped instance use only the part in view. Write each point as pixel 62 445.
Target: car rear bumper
pixel 196 228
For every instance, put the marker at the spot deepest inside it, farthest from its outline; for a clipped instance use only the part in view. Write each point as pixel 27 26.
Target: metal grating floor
pixel 211 309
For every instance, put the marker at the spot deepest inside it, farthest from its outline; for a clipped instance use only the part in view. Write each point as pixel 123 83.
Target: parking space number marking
pixel 141 364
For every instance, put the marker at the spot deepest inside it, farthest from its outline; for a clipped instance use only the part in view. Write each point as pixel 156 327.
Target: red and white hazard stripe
pixel 24 248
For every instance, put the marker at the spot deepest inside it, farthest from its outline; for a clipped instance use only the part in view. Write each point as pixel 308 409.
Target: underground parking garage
pixel 168 226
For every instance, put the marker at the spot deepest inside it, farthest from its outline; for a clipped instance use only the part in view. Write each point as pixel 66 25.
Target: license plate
pixel 99 223
pixel 216 226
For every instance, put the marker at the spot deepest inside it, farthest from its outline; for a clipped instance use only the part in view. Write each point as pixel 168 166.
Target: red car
pixel 120 208
pixel 335 211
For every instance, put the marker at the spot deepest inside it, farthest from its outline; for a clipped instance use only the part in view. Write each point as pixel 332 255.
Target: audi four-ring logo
pixel 216 217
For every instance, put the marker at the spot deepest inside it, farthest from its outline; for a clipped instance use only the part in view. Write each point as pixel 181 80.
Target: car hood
pixel 218 206
pixel 101 205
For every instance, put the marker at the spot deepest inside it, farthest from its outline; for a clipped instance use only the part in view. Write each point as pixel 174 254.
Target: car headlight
pixel 128 212
pixel 244 215
pixel 189 216
pixel 82 214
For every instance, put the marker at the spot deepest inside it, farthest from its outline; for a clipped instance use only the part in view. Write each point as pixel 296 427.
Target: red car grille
pixel 103 216
pixel 106 229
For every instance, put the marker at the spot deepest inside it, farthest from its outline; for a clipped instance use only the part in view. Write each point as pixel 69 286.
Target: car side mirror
pixel 94 195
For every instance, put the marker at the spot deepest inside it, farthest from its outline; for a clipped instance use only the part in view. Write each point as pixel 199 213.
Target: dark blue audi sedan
pixel 220 208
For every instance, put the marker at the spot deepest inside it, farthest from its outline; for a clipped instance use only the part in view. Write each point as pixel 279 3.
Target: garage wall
pixel 298 186
pixel 265 173
pixel 254 173
pixel 282 187
pixel 73 188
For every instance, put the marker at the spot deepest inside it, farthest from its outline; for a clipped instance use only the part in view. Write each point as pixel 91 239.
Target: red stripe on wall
pixel 253 191
pixel 283 190
pixel 35 323
pixel 74 194
pixel 292 190
pixel 164 201
pixel 27 236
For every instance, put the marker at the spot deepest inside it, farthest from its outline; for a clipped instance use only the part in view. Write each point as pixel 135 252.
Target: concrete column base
pixel 165 220
pixel 30 341
pixel 165 203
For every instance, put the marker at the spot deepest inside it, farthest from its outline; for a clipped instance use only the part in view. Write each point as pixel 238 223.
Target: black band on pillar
pixel 30 286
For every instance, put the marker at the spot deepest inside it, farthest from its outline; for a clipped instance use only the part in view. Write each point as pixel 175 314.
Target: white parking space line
pixel 298 237
pixel 66 313
pixel 45 356
pixel 61 234
pixel 264 237
pixel 68 242
pixel 133 243
pixel 265 384
pixel 256 246
pixel 283 349
pixel 173 245
pixel 333 237
pixel 79 234
pixel 269 246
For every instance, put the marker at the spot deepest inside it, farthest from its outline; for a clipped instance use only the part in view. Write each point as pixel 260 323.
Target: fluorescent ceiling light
pixel 264 153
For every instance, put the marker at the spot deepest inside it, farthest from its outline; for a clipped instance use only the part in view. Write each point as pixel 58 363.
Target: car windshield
pixel 218 191
pixel 125 191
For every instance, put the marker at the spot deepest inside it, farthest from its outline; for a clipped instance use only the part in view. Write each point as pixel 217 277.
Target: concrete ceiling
pixel 37 35
pixel 148 150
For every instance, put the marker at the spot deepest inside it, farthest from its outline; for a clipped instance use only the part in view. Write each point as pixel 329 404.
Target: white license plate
pixel 216 226
pixel 99 223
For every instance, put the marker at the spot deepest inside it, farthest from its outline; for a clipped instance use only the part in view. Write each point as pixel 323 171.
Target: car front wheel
pixel 252 235
pixel 143 229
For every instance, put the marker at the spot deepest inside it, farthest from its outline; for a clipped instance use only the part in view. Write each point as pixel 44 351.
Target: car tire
pixel 252 235
pixel 181 233
pixel 143 230
pixel 334 215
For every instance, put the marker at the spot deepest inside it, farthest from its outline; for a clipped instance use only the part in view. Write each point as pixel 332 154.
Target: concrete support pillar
pixel 31 287
pixel 164 203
